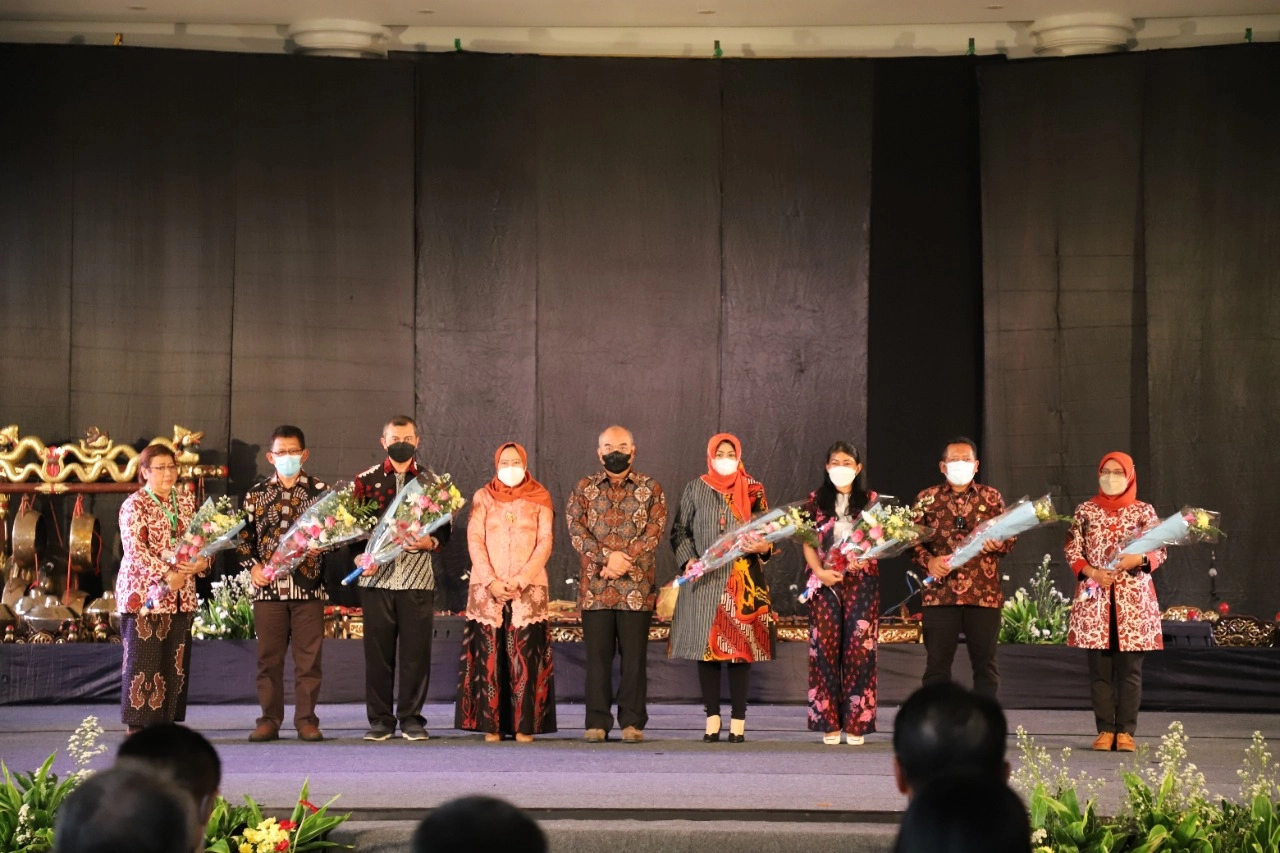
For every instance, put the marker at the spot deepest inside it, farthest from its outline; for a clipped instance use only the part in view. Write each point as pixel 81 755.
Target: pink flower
pixel 330 521
pixel 857 536
pixel 876 533
pixel 197 540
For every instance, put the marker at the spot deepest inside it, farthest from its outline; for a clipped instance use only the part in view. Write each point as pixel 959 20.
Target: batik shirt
pixel 272 509
pixel 604 517
pixel 411 569
pixel 954 515
pixel 149 536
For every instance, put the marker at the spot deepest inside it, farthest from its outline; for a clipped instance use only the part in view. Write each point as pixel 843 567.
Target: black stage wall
pixel 1130 208
pixel 531 248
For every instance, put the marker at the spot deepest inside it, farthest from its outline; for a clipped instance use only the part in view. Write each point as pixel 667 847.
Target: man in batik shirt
pixel 961 599
pixel 291 608
pixel 616 517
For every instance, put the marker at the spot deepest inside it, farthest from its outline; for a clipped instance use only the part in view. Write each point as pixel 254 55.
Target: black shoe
pixel 378 734
pixel 714 737
pixel 736 738
pixel 413 731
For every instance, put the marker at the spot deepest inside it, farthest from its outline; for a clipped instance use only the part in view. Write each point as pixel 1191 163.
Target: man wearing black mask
pixel 398 599
pixel 615 518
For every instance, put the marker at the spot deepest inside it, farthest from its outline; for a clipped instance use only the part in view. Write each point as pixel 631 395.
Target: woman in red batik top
pixel 1116 615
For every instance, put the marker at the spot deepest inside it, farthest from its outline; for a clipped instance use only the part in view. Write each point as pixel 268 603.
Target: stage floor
pixel 781 773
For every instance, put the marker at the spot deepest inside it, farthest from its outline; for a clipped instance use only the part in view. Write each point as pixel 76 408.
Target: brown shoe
pixel 492 737
pixel 632 735
pixel 1104 742
pixel 595 736
pixel 310 733
pixel 264 732
pixel 1124 743
pixel 520 738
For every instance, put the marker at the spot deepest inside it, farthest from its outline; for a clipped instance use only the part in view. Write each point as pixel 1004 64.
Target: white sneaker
pixel 831 739
pixel 855 740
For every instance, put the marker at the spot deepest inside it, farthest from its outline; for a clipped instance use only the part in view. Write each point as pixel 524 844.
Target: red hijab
pixel 1130 493
pixel 735 485
pixel 528 489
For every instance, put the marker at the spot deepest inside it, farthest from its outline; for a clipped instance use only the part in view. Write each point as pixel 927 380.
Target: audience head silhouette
pixel 943 728
pixel 182 755
pixel 965 813
pixel 127 809
pixel 478 825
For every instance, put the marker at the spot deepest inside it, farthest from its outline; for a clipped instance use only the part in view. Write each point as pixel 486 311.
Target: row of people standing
pixel 615 519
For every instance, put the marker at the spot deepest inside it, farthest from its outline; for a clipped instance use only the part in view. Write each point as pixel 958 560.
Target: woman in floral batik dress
pixel 844 612
pixel 507 683
pixel 156 595
pixel 1115 615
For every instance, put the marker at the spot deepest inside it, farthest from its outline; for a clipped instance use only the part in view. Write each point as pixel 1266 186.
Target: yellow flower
pixel 246 848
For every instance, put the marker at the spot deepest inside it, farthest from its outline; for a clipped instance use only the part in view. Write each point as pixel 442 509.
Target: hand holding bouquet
pixel 1191 524
pixel 419 509
pixel 883 530
pixel 781 523
pixel 1024 515
pixel 335 518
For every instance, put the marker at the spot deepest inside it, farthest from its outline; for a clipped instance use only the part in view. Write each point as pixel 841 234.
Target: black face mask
pixel 401 451
pixel 616 462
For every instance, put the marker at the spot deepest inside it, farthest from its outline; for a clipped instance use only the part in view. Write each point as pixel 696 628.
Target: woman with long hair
pixel 844 612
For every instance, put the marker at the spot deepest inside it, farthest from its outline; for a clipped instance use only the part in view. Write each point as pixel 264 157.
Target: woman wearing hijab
pixel 723 617
pixel 507 684
pixel 1116 615
pixel 844 613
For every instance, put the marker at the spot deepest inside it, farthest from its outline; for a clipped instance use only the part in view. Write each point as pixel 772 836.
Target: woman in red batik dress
pixel 507 684
pixel 844 613
pixel 1115 615
pixel 156 595
pixel 724 616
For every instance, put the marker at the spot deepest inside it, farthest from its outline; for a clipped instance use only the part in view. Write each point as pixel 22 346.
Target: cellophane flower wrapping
pixel 335 518
pixel 213 528
pixel 1024 515
pixel 883 530
pixel 773 526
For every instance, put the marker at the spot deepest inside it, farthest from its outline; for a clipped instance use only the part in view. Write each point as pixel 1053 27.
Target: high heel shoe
pixel 736 738
pixel 713 729
pixel 711 737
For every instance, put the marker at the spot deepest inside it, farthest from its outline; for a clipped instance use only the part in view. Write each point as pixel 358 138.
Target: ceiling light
pixel 706 11
pixel 995 6
pixel 426 11
pixel 138 8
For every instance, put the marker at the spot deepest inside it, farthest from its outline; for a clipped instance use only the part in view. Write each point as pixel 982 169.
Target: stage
pixel 781 790
pixel 1039 677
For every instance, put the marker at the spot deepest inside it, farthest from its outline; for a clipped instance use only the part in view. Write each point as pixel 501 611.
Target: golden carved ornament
pixel 27 458
pixel 1245 631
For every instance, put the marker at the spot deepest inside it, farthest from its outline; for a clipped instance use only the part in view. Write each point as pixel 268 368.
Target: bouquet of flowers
pixel 213 528
pixel 420 508
pixel 1191 524
pixel 882 530
pixel 244 829
pixel 334 519
pixel 1019 518
pixel 781 523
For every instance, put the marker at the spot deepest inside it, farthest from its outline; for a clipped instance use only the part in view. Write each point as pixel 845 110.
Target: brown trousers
pixel 278 625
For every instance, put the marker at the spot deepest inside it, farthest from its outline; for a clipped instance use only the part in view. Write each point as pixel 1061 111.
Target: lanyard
pixel 171 513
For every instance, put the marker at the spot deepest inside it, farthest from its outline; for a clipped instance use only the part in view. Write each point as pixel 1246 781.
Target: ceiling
pixel 614 13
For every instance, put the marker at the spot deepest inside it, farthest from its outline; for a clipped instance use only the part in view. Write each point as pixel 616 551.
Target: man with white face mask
pixel 962 599
pixel 290 608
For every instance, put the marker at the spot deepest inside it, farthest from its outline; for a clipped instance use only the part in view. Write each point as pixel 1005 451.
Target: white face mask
pixel 841 476
pixel 511 475
pixel 961 473
pixel 724 467
pixel 1113 484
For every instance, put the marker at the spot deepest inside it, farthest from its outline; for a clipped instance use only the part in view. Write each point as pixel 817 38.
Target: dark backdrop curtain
pixel 1130 272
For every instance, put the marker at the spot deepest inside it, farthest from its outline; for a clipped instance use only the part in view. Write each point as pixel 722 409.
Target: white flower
pixel 1039 835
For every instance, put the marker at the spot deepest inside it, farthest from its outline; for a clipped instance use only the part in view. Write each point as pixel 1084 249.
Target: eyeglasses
pixel 297 452
pixel 163 469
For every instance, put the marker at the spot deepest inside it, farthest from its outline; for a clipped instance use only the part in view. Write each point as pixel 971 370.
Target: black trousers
pixel 397 629
pixel 739 684
pixel 1115 683
pixel 943 625
pixel 605 633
